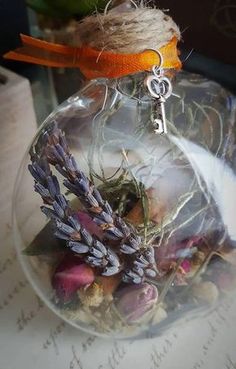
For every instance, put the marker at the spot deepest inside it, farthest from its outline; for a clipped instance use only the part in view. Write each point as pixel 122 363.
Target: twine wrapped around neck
pixel 127 32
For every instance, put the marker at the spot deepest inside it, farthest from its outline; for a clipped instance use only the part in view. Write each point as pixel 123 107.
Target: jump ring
pixel 156 68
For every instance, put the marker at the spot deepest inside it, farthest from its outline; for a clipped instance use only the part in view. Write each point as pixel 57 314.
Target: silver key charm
pixel 160 88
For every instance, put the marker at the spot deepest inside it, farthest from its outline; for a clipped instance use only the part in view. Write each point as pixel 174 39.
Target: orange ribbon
pixel 93 63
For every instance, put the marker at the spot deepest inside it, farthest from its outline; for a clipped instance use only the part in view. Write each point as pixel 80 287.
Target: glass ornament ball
pixel 122 231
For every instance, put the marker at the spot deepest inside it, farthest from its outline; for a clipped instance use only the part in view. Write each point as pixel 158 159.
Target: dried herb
pixel 78 239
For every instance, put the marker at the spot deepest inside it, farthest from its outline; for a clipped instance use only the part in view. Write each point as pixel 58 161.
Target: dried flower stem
pixel 169 281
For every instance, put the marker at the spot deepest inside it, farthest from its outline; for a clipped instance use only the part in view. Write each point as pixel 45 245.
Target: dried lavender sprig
pixel 68 228
pixel 143 266
pixel 59 155
pixel 117 229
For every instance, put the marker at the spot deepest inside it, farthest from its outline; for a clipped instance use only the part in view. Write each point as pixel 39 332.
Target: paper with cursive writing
pixel 31 336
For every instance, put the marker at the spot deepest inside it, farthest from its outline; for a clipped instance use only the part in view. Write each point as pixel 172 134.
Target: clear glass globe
pixel 122 231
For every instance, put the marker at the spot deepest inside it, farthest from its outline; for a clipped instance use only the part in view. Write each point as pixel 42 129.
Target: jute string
pixel 127 32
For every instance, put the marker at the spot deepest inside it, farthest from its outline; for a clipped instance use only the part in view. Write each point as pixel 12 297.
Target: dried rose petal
pixel 70 275
pixel 136 300
pixel 206 291
pixel 109 284
pixel 186 266
pixel 228 254
pixel 91 296
pixel 87 222
pixel 224 281
pixel 173 251
pixel 156 209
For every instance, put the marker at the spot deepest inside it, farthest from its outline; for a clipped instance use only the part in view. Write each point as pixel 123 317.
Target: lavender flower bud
pixel 78 247
pixel 76 169
pixel 98 221
pixel 107 207
pixel 86 236
pixel 96 253
pixel 71 187
pixel 113 258
pixel 96 262
pixel 135 301
pixel 142 260
pixel 61 170
pixel 107 218
pixel 57 186
pixel 121 224
pixel 82 175
pixel 74 222
pixel 98 197
pixel 149 254
pixel 41 190
pixel 99 246
pixel 127 279
pixel 49 212
pixel 139 264
pixel 83 185
pixel 139 271
pixel 130 276
pixel 60 151
pixel 62 227
pixel 63 142
pixel 53 154
pixel 150 273
pixel 39 170
pixel 108 271
pixel 92 201
pixel 51 187
pixel 68 163
pixel 126 249
pixel 35 173
pixel 61 235
pixel 113 233
pixel 58 210
pixel 135 242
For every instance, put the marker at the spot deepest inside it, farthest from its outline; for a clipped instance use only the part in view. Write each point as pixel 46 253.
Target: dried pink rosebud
pixel 70 275
pixel 136 300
